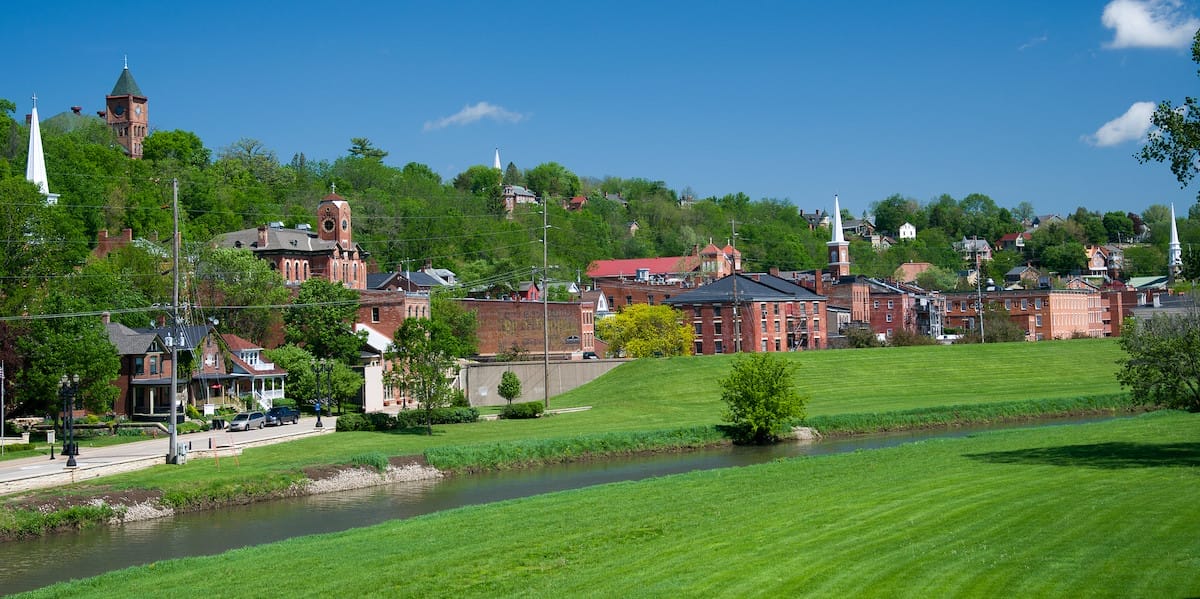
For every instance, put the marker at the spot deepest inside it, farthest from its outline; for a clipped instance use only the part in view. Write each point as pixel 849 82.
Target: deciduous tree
pixel 1163 366
pixel 510 386
pixel 643 330
pixel 760 396
pixel 1176 139
pixel 322 319
pixel 422 353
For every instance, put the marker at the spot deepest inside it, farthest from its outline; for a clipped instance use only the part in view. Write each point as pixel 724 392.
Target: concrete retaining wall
pixel 481 381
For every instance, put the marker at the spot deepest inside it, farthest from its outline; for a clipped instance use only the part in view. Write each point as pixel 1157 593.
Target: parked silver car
pixel 248 420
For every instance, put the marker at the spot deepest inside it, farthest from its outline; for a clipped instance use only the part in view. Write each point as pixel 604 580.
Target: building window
pixel 716 328
pixel 153 365
pixel 696 311
pixel 777 346
pixel 891 304
pixel 776 326
pixel 139 365
pixel 612 301
pixel 775 307
pixel 1037 320
pixel 875 305
pixel 697 325
pixel 717 347
pixel 629 300
pixel 699 349
pixel 1008 304
pixel 764 345
pixel 650 299
pixel 888 318
pixel 1024 304
pixel 716 311
pixel 762 309
pixel 375 314
pixel 1037 303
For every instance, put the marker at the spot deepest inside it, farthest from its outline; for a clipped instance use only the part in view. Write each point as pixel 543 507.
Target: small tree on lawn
pixel 422 351
pixel 760 396
pixel 510 386
pixel 1164 359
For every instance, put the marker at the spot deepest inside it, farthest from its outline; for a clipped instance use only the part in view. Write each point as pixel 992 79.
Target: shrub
pixel 131 431
pixel 760 397
pixel 375 460
pixel 285 402
pixel 526 409
pixel 18 446
pixel 380 421
pixel 352 422
pixel 458 399
pixel 191 412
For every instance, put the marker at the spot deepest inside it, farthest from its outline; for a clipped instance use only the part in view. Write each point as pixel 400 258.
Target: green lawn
pixel 658 394
pixel 1104 509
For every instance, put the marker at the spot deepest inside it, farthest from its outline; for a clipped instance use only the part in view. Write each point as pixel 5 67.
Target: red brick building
pixel 505 324
pixel 754 313
pixel 1042 313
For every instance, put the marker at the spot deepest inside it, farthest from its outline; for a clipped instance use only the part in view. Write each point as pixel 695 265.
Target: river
pixel 32 564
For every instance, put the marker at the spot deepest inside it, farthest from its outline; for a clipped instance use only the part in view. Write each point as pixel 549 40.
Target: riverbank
pixel 1099 509
pixel 80 507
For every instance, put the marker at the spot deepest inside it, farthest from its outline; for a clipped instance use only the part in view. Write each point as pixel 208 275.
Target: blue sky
pixel 1024 101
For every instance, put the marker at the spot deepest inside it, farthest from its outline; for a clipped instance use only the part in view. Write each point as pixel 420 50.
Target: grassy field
pixel 1104 509
pixel 665 394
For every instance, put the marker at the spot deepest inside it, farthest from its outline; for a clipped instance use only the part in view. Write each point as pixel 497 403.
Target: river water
pixel 31 564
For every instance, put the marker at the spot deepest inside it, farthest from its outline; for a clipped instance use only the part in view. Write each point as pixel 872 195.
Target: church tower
pixel 127 114
pixel 35 168
pixel 333 221
pixel 1174 250
pixel 839 248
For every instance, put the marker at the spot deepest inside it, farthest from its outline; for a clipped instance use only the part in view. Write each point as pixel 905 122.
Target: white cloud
pixel 471 114
pixel 1037 41
pixel 1148 24
pixel 1133 125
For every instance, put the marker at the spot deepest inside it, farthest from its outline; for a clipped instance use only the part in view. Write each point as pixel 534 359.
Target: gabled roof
pixel 126 86
pixel 378 342
pixel 236 343
pixel 193 335
pixel 1013 237
pixel 289 240
pixel 422 279
pixel 128 341
pixel 766 288
pixel 657 266
pixel 379 280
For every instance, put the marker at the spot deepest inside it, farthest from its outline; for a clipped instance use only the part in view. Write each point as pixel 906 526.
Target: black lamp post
pixel 68 389
pixel 323 366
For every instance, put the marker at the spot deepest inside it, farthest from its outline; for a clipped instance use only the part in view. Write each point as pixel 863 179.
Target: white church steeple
pixel 839 248
pixel 496 163
pixel 35 168
pixel 1174 249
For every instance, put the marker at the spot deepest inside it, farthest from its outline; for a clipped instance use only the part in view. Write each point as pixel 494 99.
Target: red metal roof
pixel 656 266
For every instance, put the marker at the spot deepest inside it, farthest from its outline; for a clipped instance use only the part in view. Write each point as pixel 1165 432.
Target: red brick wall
pixel 503 324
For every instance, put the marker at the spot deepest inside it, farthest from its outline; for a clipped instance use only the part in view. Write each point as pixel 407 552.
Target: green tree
pixel 760 396
pixel 937 278
pixel 362 148
pixel 1143 261
pixel 510 386
pixel 322 321
pixel 512 175
pixel 1118 226
pixel 1177 138
pixel 422 353
pixel 241 290
pixel 176 147
pixel 1163 367
pixel 643 330
pixel 59 347
pixel 896 210
pixel 464 340
pixel 552 179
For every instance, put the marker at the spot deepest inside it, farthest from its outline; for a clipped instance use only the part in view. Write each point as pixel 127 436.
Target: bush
pixel 353 422
pixel 761 397
pixel 131 431
pixel 526 409
pixel 18 446
pixel 285 402
pixel 459 399
pixel 191 412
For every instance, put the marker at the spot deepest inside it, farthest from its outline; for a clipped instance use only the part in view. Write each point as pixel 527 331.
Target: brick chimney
pixel 105 318
pixel 262 236
pixel 774 271
pixel 818 283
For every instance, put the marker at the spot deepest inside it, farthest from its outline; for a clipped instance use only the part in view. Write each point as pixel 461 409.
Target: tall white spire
pixel 1174 248
pixel 838 237
pixel 496 163
pixel 35 167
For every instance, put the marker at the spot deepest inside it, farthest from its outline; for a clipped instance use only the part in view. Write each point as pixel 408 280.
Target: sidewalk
pixel 40 472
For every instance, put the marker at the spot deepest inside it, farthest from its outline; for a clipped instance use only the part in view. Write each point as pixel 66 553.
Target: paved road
pixel 39 472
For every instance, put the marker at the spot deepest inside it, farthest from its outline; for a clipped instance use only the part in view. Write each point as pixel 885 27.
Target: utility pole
pixel 737 321
pixel 978 286
pixel 545 314
pixel 172 457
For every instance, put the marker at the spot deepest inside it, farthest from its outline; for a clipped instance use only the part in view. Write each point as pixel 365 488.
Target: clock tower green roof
pixel 126 86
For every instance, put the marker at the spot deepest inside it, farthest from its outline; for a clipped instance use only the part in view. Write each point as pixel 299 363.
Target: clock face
pixel 119 109
pixel 328 224
pixel 137 110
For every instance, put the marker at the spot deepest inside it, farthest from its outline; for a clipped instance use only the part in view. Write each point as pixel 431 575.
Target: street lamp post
pixel 68 389
pixel 323 366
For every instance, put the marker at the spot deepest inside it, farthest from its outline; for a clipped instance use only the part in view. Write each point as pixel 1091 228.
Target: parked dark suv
pixel 282 415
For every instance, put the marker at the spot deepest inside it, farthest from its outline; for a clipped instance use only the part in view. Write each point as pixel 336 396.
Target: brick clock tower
pixel 347 261
pixel 127 114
